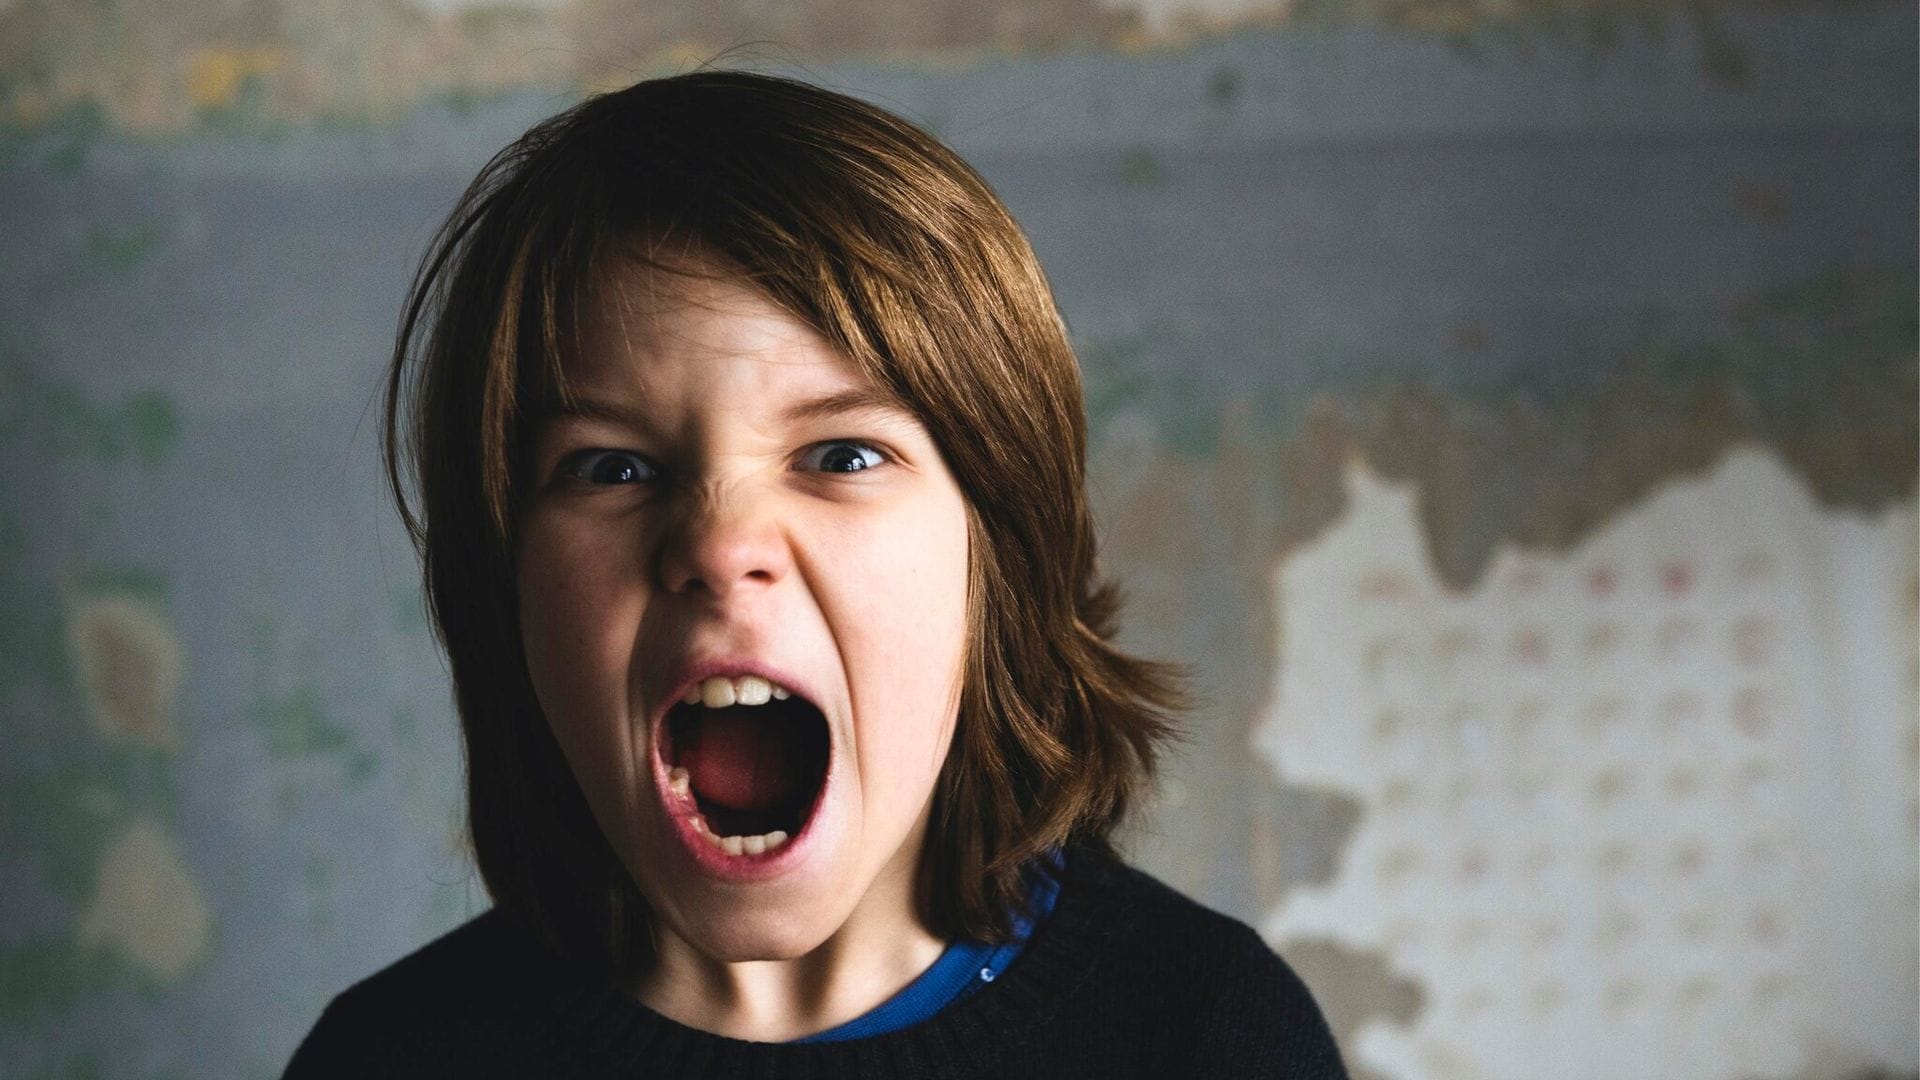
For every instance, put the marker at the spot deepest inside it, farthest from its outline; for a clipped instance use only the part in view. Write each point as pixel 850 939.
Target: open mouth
pixel 751 756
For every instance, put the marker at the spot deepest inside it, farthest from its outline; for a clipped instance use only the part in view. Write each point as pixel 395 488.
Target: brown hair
pixel 870 230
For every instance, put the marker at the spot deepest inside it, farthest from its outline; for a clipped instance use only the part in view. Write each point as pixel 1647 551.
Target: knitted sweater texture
pixel 1126 978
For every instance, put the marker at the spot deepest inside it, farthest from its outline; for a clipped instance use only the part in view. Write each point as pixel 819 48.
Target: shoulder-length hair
pixel 870 230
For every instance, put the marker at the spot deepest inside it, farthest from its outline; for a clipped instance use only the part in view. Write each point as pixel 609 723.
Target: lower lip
pixel 715 861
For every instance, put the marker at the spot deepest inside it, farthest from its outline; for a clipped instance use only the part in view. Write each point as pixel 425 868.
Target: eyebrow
pixel 575 407
pixel 840 403
pixel 852 400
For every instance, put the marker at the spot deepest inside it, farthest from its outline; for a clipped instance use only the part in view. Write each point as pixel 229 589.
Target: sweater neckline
pixel 593 1024
pixel 960 971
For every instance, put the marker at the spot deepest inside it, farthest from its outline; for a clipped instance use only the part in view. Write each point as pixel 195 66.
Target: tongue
pixel 744 761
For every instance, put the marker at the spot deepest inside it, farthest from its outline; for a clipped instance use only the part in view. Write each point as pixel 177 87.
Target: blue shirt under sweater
pixel 964 967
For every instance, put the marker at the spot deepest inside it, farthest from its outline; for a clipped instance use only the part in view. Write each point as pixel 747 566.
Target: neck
pixel 877 951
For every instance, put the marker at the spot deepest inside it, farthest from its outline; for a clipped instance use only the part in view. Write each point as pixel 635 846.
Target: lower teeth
pixel 741 845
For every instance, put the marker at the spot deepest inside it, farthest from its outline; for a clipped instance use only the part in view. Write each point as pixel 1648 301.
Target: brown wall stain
pixel 129 660
pixel 1193 542
pixel 1354 988
pixel 162 66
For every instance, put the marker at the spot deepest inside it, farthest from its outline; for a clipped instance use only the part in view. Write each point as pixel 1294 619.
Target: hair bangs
pixel 893 248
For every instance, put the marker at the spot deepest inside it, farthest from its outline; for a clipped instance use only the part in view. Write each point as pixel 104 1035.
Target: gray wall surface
pixel 1537 284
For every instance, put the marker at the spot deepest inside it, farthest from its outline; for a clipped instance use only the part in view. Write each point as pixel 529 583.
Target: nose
pixel 722 544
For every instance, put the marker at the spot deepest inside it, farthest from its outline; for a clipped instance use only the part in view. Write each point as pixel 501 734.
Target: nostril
pixel 714 548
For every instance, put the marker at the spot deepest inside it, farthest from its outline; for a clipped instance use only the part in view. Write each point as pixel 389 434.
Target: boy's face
pixel 732 502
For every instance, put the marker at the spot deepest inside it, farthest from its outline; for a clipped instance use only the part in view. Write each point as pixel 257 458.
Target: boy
pixel 749 454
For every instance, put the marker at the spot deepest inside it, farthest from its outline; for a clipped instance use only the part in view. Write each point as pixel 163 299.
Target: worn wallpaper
pixel 1505 408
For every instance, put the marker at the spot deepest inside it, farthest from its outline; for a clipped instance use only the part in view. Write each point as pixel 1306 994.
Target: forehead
pixel 665 350
pixel 644 328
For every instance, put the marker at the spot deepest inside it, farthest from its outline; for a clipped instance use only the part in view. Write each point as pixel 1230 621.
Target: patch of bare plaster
pixel 1627 805
pixel 1193 542
pixel 1354 987
pixel 129 660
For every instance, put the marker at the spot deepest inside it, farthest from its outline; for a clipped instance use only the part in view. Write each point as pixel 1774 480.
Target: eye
pixel 608 467
pixel 841 457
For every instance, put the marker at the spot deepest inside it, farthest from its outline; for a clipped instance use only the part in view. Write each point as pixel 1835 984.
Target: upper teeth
pixel 719 691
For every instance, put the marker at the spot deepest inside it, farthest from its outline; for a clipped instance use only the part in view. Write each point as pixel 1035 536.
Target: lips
pixel 743 765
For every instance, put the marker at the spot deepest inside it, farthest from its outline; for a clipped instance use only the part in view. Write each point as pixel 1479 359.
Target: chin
pixel 742 936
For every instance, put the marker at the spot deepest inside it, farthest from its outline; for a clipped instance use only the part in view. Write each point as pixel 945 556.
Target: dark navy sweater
pixel 1126 978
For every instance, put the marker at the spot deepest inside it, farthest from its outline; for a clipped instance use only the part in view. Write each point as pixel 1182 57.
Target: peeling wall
pixel 1524 294
pixel 1636 802
pixel 160 67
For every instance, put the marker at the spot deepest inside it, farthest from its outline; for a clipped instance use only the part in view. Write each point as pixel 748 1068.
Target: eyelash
pixel 835 444
pixel 580 465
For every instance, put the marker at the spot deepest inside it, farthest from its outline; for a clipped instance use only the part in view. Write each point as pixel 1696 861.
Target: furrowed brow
pixel 856 399
pixel 853 400
pixel 575 407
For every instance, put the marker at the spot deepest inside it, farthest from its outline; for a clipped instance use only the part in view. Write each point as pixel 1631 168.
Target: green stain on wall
pixel 1790 357
pixel 66 791
pixel 1115 374
pixel 297 727
pixel 71 135
pixel 49 974
pixel 61 815
pixel 321 876
pixel 1225 86
pixel 1141 168
pixel 56 416
pixel 145 582
pixel 84 1067
pixel 31 649
pixel 121 248
pixel 1784 348
pixel 408 610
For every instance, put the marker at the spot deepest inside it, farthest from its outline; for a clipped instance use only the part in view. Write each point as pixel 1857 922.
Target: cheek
pixel 910 650
pixel 570 620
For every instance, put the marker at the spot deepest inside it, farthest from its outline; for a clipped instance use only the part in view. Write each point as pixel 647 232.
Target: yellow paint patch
pixel 147 905
pixel 129 660
pixel 216 75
